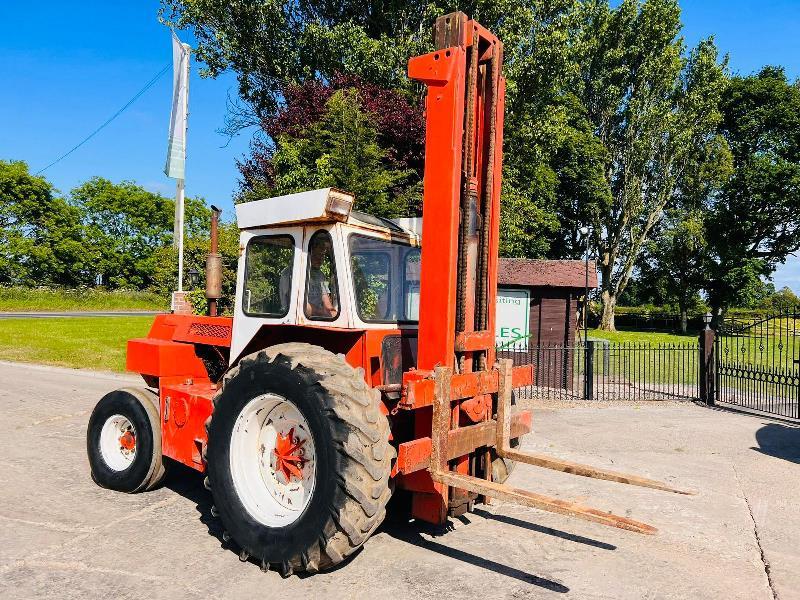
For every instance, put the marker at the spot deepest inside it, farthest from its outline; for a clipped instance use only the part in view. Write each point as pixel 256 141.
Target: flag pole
pixel 175 166
pixel 179 211
pixel 180 187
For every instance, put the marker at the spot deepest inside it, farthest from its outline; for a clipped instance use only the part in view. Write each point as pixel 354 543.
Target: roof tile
pixel 546 273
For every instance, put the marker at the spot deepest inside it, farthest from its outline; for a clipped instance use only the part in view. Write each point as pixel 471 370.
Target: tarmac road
pixel 64 537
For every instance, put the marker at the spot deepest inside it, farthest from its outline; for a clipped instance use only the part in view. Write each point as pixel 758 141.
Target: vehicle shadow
pixel 411 532
pixel 579 539
pixel 189 484
pixel 780 441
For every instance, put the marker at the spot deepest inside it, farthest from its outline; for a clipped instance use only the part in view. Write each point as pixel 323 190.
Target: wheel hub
pixel 273 460
pixel 128 441
pixel 288 456
pixel 118 442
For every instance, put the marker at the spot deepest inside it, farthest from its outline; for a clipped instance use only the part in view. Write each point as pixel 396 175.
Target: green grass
pixel 96 343
pixel 647 356
pixel 16 299
pixel 650 337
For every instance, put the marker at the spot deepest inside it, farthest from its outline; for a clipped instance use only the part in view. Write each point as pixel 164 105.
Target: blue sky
pixel 66 67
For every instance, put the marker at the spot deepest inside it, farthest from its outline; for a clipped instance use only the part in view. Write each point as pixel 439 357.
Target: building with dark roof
pixel 552 289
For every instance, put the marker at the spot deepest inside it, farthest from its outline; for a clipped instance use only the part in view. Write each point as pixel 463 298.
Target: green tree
pixel 655 110
pixel 525 227
pixel 274 46
pixel 755 222
pixel 681 260
pixel 608 121
pixel 197 245
pixel 340 150
pixel 40 232
pixel 782 300
pixel 124 225
pixel 271 44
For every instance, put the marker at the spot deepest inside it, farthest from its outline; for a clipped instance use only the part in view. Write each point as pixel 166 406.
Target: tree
pixel 680 254
pixel 339 150
pixel 379 124
pixel 272 44
pixel 784 300
pixel 755 222
pixel 525 228
pixel 608 122
pixel 40 233
pixel 654 110
pixel 197 245
pixel 124 225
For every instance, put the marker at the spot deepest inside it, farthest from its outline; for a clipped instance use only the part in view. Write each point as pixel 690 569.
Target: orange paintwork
pixel 168 353
pixel 193 329
pixel 163 358
pixel 128 441
pixel 443 72
pixel 287 456
pixel 419 392
pixel 185 406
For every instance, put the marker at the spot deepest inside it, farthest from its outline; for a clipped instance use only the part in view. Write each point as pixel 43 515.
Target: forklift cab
pixel 308 259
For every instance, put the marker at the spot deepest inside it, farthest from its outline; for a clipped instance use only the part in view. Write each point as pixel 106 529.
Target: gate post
pixel 707 365
pixel 588 367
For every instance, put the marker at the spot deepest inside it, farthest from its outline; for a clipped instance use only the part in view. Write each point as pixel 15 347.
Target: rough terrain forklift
pixel 355 365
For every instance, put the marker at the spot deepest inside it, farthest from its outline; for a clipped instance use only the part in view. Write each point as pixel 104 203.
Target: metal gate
pixel 758 364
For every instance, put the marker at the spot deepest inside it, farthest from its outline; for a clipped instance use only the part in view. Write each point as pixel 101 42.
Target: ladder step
pixel 526 498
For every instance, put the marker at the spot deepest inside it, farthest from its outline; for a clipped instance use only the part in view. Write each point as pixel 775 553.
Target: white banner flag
pixel 176 149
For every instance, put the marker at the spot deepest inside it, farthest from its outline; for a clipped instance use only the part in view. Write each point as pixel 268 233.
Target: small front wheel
pixel 123 441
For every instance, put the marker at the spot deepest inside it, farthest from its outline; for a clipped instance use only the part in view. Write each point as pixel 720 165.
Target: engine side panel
pixel 185 406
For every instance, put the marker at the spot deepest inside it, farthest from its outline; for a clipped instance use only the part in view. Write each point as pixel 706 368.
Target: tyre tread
pixel 364 447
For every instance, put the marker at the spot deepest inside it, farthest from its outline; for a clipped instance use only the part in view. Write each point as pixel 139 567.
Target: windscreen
pixel 386 279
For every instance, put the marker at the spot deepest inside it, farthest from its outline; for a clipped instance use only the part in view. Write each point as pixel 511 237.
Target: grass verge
pixel 650 337
pixel 96 343
pixel 16 299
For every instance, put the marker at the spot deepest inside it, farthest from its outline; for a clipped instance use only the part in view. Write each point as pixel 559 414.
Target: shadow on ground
pixel 780 441
pixel 411 533
pixel 189 484
pixel 571 537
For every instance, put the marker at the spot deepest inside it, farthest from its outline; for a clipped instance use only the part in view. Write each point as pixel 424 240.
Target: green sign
pixel 513 311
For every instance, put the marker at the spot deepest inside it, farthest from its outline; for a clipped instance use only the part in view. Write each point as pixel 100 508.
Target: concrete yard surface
pixel 738 538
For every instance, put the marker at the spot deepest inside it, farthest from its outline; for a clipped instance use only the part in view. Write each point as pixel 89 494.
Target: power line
pixel 147 86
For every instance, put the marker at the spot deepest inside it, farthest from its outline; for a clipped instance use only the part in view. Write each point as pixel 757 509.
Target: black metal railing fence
pixel 602 370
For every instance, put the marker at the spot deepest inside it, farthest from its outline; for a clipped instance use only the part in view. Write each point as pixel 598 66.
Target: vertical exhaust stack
pixel 214 265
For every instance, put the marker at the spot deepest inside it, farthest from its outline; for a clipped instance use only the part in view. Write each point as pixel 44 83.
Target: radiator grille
pixel 210 330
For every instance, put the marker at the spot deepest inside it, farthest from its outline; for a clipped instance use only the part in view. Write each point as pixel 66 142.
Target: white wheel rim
pixel 115 442
pixel 258 473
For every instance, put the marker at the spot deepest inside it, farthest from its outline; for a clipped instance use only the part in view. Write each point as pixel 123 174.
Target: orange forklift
pixel 360 358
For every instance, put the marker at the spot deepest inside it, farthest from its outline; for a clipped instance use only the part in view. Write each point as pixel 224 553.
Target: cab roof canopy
pixel 326 205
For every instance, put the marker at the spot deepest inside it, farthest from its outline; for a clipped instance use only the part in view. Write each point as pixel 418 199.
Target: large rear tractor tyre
pixel 298 458
pixel 123 441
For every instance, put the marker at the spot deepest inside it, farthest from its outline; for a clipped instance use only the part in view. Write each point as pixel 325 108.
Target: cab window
pixel 386 279
pixel 268 276
pixel 322 290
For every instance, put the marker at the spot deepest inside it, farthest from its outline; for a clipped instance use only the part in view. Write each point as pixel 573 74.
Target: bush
pixel 78 299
